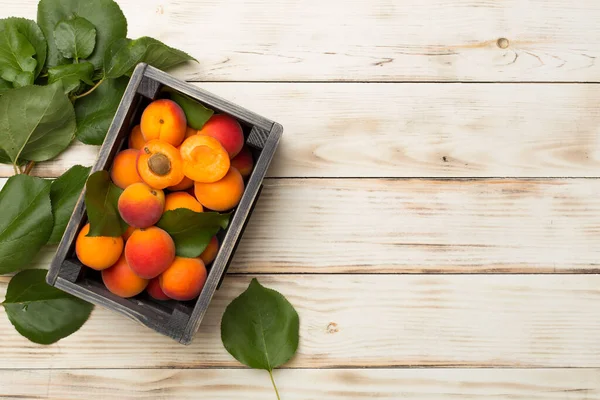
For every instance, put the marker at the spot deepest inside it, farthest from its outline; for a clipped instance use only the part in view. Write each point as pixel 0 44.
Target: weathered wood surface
pixel 414 130
pixel 419 226
pixel 364 321
pixel 377 40
pixel 331 384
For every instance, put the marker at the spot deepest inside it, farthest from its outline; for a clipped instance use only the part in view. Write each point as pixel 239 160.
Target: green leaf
pixel 17 64
pixel 26 221
pixel 71 75
pixel 191 231
pixel 95 111
pixel 34 35
pixel 75 37
pixel 105 15
pixel 36 122
pixel 5 85
pixel 101 198
pixel 64 193
pixel 195 113
pixel 40 312
pixel 124 54
pixel 260 328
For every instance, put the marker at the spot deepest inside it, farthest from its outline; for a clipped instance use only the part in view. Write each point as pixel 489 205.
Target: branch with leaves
pixel 61 78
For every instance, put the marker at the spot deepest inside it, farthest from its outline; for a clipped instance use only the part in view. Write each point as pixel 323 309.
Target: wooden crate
pixel 178 320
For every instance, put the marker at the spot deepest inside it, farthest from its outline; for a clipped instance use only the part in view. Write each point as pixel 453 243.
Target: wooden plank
pixel 379 40
pixel 336 384
pixel 419 226
pixel 413 130
pixel 364 320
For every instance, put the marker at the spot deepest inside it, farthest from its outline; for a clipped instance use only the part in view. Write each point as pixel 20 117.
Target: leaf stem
pixel 89 91
pixel 16 169
pixel 274 385
pixel 29 167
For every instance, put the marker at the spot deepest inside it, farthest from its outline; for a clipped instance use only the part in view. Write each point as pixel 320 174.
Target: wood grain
pixel 415 130
pixel 367 320
pixel 379 40
pixel 336 384
pixel 419 226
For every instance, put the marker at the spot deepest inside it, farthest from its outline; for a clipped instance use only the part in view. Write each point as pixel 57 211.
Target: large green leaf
pixel 101 198
pixel 260 328
pixel 64 193
pixel 105 15
pixel 124 54
pixel 17 64
pixel 96 111
pixel 26 221
pixel 40 312
pixel 5 85
pixel 36 122
pixel 71 75
pixel 195 113
pixel 34 35
pixel 191 231
pixel 75 37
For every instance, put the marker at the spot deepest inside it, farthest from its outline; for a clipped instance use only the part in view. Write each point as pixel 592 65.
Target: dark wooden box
pixel 178 320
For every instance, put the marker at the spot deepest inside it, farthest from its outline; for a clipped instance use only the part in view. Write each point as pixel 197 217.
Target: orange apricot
pixel 149 252
pixel 177 200
pixel 190 132
pixel 164 120
pixel 122 281
pixel 155 291
pixel 97 252
pixel 222 195
pixel 204 159
pixel 227 131
pixel 243 162
pixel 210 253
pixel 140 205
pixel 123 171
pixel 185 184
pixel 184 279
pixel 159 164
pixel 136 140
pixel 128 233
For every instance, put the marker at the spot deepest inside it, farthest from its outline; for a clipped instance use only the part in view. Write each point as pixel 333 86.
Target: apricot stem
pixel 159 164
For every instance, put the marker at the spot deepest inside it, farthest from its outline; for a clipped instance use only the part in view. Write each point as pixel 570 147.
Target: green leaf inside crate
pixel 191 231
pixel 195 113
pixel 26 221
pixel 260 328
pixel 64 193
pixel 40 312
pixel 101 198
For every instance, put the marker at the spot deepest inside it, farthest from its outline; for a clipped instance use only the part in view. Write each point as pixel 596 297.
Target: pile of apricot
pixel 167 166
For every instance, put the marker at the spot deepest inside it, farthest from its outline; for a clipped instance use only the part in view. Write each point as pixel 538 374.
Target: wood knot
pixel 503 43
pixel 332 328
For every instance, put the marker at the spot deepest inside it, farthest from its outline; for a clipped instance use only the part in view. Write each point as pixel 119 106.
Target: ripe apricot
pixel 222 195
pixel 140 205
pixel 122 281
pixel 189 131
pixel 204 159
pixel 185 184
pixel 149 252
pixel 97 252
pixel 184 279
pixel 136 140
pixel 163 119
pixel 123 171
pixel 159 164
pixel 177 200
pixel 128 233
pixel 227 131
pixel 210 253
pixel 243 162
pixel 155 291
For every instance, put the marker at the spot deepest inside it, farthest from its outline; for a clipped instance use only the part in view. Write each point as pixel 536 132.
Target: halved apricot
pixel 204 159
pixel 159 164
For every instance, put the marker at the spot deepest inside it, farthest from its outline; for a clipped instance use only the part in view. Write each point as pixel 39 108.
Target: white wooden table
pixel 434 204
